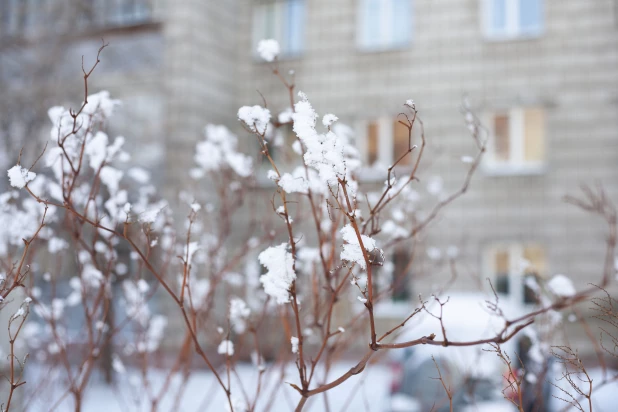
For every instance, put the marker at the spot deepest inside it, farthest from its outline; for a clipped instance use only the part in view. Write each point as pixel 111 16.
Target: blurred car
pixel 420 389
pixel 472 375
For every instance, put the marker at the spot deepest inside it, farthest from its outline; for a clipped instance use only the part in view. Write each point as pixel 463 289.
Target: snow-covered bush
pixel 90 243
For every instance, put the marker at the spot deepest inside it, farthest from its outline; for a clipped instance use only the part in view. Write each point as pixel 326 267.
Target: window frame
pixel 513 29
pixel 516 164
pixel 516 277
pixel 386 27
pixel 385 147
pixel 281 27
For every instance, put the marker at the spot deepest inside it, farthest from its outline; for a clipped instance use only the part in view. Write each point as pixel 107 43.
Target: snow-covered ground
pixel 365 392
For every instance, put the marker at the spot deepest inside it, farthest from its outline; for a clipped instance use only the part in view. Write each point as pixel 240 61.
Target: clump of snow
pixel 218 150
pixel 435 185
pixel 255 117
pixel 110 177
pixel 293 184
pixel 394 230
pixel 226 347
pixel 329 119
pixel 285 116
pixel 272 175
pixel 139 175
pixel 268 49
pixel 278 280
pixel 560 285
pixel 294 341
pixel 239 312
pixel 410 103
pixel 149 216
pixel 56 244
pixel 434 253
pixel 328 153
pixel 19 176
pixel 352 251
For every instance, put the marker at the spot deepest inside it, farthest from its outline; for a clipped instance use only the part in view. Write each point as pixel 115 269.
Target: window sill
pixel 513 170
pixel 513 37
pixel 382 49
pixel 281 58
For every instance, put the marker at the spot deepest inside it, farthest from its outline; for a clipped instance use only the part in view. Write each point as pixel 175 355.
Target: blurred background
pixel 542 75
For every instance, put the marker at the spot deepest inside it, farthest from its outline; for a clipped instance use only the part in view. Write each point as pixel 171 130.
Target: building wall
pixel 570 71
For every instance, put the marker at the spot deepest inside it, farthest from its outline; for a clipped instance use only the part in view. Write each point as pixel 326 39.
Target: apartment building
pixel 541 74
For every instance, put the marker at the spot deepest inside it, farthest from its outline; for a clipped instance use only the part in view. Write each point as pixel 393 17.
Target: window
pixel 517 141
pixel 513 18
pixel 281 20
pixel 384 24
pixel 26 17
pixel 392 284
pixel 400 283
pixel 385 141
pixel 509 265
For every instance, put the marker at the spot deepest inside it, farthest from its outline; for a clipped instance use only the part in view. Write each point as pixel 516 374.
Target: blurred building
pixel 542 74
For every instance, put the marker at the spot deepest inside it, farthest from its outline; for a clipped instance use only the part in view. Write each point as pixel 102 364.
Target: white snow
pixel 20 176
pixel 255 117
pixel 280 275
pixel 560 285
pixel 328 153
pixel 351 251
pixel 218 150
pixel 294 341
pixel 434 253
pixel 435 185
pixel 226 347
pixel 293 184
pixel 268 49
pixel 56 244
pixel 239 312
pixel 285 116
pixel 371 387
pixel 329 119
pixel 139 175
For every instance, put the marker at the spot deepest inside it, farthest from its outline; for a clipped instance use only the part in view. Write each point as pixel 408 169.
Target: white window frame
pixel 386 28
pixel 281 34
pixel 517 163
pixel 385 157
pixel 513 28
pixel 516 275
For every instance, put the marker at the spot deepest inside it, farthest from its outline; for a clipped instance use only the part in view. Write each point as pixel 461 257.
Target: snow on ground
pixel 365 392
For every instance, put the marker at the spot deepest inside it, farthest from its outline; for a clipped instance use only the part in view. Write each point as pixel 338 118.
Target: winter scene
pixel 309 205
